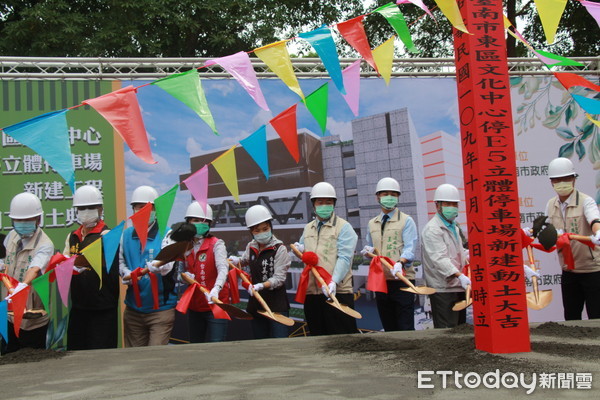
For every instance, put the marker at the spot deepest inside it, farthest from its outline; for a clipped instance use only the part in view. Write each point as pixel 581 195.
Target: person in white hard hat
pixel 444 258
pixel 394 234
pixel 93 319
pixel 575 212
pixel 207 264
pixel 143 324
pixel 268 261
pixel 333 240
pixel 28 251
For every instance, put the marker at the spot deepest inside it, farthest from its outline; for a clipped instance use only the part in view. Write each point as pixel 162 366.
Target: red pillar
pixel 491 197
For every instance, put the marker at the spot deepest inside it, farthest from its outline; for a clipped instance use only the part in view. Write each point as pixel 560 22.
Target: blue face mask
pixel 263 237
pixel 450 213
pixel 25 228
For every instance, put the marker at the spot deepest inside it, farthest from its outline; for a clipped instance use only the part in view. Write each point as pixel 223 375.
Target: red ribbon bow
pixel 376 281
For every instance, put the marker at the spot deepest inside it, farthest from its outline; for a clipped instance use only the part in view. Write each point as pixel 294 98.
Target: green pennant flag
pixel 41 285
pixel 187 88
pixel 392 13
pixel 163 206
pixel 316 102
pixel 560 59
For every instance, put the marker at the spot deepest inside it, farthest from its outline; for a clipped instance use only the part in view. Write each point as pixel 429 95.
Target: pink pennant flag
pixel 240 66
pixel 593 8
pixel 197 183
pixel 121 109
pixel 64 273
pixel 418 3
pixel 352 84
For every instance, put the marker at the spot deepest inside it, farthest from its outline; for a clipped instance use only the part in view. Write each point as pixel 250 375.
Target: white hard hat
pixel 195 210
pixel 87 195
pixel 257 214
pixel 446 192
pixel 143 195
pixel 323 190
pixel 387 185
pixel 25 205
pixel 560 167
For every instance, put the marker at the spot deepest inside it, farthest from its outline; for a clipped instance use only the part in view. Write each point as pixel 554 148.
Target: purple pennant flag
pixel 240 66
pixel 64 273
pixel 593 8
pixel 352 84
pixel 197 183
pixel 322 41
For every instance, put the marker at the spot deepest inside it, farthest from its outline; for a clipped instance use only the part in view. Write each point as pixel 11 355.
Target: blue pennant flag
pixel 322 41
pixel 256 146
pixel 4 320
pixel 110 244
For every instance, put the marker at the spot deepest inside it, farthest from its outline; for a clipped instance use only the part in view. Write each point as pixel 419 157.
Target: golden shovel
pixel 537 299
pixel 461 305
pixel 165 255
pixel 282 319
pixel 333 300
pixel 411 288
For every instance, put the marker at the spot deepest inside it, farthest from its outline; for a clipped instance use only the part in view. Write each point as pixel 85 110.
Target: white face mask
pixel 88 218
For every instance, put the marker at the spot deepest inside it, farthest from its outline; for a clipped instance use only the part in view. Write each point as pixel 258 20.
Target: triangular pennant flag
pixel 48 135
pixel 140 223
pixel 287 129
pixel 4 320
pixel 568 80
pixel 41 285
pixel 122 110
pixel 384 57
pixel 19 303
pixel 163 206
pixel 316 102
pixel 187 88
pixel 322 41
pixel 418 3
pixel 591 106
pixel 352 84
pixel 64 273
pixel 110 244
pixel 218 312
pixel 593 8
pixel 240 67
pixel 256 146
pixel 277 58
pixel 594 121
pixel 197 184
pixel 550 12
pixel 93 255
pixel 353 31
pixel 553 60
pixel 225 166
pixel 395 18
pixel 450 9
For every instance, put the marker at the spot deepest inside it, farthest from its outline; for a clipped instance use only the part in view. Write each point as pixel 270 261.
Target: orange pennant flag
pixel 286 127
pixel 569 79
pixel 19 304
pixel 140 223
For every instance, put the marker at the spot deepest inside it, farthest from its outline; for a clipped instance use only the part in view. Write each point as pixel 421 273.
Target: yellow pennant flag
pixel 93 255
pixel 384 58
pixel 452 12
pixel 595 122
pixel 225 166
pixel 277 58
pixel 550 13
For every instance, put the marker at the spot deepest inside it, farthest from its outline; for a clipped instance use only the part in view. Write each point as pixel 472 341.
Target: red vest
pixel 202 265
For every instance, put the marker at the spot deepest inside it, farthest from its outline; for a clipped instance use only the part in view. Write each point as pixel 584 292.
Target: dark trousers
pixel 323 319
pixel 441 309
pixel 264 327
pixel 204 327
pixel 579 290
pixel 92 329
pixel 396 308
pixel 35 339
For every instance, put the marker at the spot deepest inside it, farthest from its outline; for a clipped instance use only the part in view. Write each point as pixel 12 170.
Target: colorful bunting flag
pixel 550 12
pixel 41 285
pixel 4 320
pixel 593 8
pixel 19 304
pixel 450 9
pixel 197 183
pixel 322 41
pixel 286 127
pixel 277 58
pixel 48 135
pixel 163 206
pixel 225 166
pixel 256 146
pixel 140 223
pixel 316 103
pixel 353 31
pixel 384 57
pixel 93 255
pixel 187 88
pixel 591 106
pixel 110 244
pixel 240 67
pixel 352 84
pixel 121 109
pixel 418 3
pixel 553 60
pixel 64 273
pixel 395 18
pixel 594 121
pixel 568 80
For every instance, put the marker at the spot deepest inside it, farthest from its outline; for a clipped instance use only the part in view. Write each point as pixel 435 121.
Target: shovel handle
pixel 317 276
pixel 7 284
pixel 145 270
pixel 581 238
pixel 254 292
pixel 202 288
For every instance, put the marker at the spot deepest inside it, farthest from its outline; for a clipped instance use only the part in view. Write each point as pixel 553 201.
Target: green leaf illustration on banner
pixel 187 88
pixel 41 285
pixel 316 103
pixel 396 20
pixel 163 206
